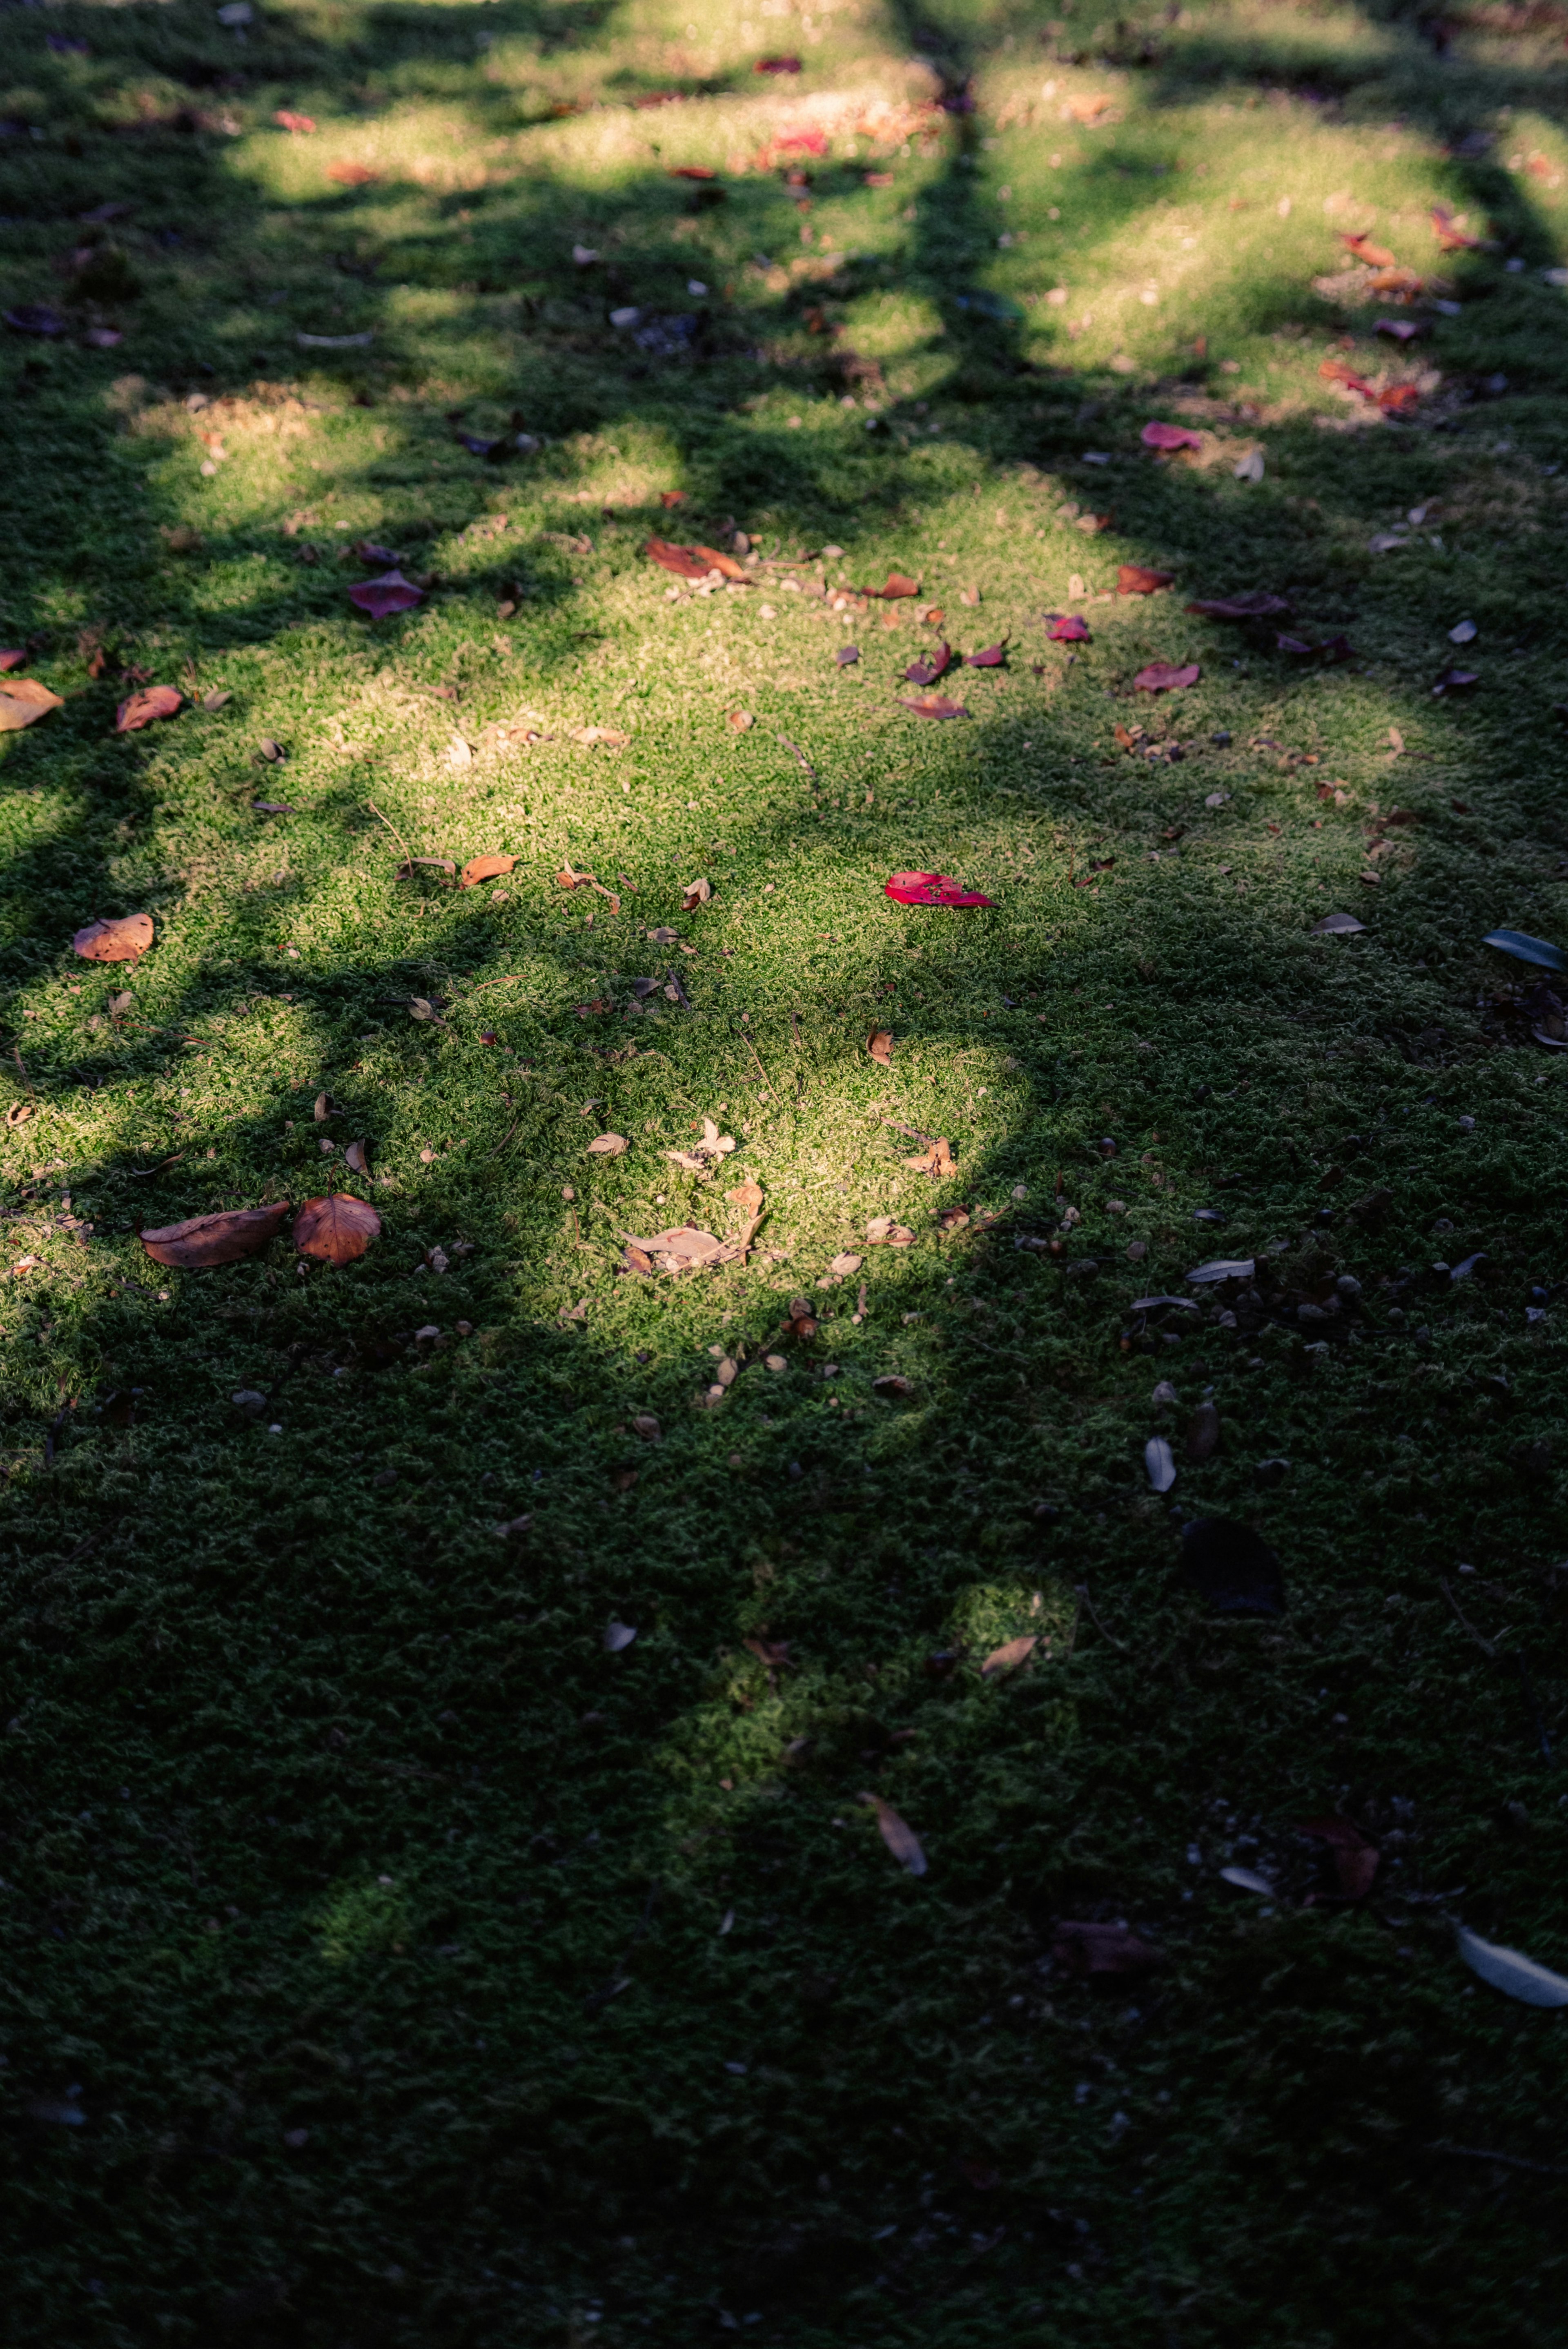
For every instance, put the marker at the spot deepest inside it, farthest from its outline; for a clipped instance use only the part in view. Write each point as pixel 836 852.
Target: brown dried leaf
pixel 892 1382
pixel 741 720
pixel 900 1840
pixel 885 1231
pixel 1133 579
pixel 23 701
pixel 337 1227
pixel 748 1195
pixel 357 1156
pixel 412 866
pixel 608 1145
pixel 153 702
pixel 696 893
pixel 203 1240
pixel 937 1161
pixel 879 1044
pixel 1010 1655
pixel 485 868
pixel 606 735
pixel 124 938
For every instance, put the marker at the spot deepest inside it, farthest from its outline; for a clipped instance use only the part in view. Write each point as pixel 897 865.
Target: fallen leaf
pixel 900 1840
pixel 1165 677
pixel 937 705
pixel 937 1161
pixel 892 1382
pixel 696 893
pixel 1132 579
pixel 35 318
pixel 1247 1880
pixel 357 1156
pixel 1354 1859
pixel 1202 1433
pixel 337 1227
pixel 143 709
pixel 412 866
pixel 993 657
pixel 1334 925
pixel 843 1266
pixel 646 1425
pixel 931 889
pixel 746 1195
pixel 608 1145
pixel 485 868
pixel 970 596
pixel 377 598
pixel 1088 109
pixel 1009 1655
pixel 1456 681
pixel 678 1250
pixel 1086 1948
pixel 741 720
pixel 1066 628
pixel 1256 604
pixel 299 124
pixel 1159 1464
pixel 1524 948
pixel 1450 237
pixel 12 656
pixel 1398 330
pixel 123 937
pixel 777 66
pixel 879 1044
pixel 611 738
pixel 885 1231
pixel 1232 1567
pixel 618 1635
pixel 352 175
pixel 847 656
pixel 953 1219
pixel 1509 1970
pixel 272 807
pixel 1222 1268
pixel 929 666
pixel 898 585
pixel 1169 436
pixel 203 1240
pixel 1376 256
pixel 23 701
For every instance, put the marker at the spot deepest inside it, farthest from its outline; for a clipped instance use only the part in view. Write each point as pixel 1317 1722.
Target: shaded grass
pixel 373 1911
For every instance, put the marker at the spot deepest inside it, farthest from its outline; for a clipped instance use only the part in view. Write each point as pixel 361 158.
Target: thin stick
pixel 16 1056
pixel 758 1057
pixel 1082 1590
pixel 1484 1645
pixel 1508 2160
pixel 506 1137
pixel 799 754
pixel 397 836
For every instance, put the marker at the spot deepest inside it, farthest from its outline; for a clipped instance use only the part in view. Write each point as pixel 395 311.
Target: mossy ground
pixel 423 1972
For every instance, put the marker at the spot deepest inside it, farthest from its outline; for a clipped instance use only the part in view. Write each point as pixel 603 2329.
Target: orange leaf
pixel 23 700
pixel 352 175
pixel 155 701
pixel 725 562
pixel 1132 579
pixel 879 1044
pixel 1009 1655
pixel 337 1227
pixel 485 868
pixel 683 561
pixel 124 938
pixel 1377 256
pixel 203 1240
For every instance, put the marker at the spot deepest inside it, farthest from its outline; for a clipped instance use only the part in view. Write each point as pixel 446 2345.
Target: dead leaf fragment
pixel 144 709
pixel 23 701
pixel 123 938
pixel 879 1044
pixel 748 1195
pixel 696 893
pixel 900 1840
pixel 618 1635
pixel 1167 677
pixel 1133 579
pixel 1009 1655
pixel 885 1231
pixel 608 1145
pixel 937 1161
pixel 337 1227
pixel 893 1382
pixel 741 720
pixel 357 1156
pixel 607 736
pixel 485 868
pixel 203 1240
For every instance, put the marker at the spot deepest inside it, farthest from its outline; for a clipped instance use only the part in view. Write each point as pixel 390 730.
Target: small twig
pixel 758 1057
pixel 1484 1645
pixel 140 1174
pixel 1082 1590
pixel 1508 2160
pixel 397 836
pixel 799 754
pixel 506 1137
pixel 909 1133
pixel 16 1056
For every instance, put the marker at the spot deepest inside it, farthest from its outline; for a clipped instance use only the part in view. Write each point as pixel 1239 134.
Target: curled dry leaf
pixel 646 1425
pixel 1256 604
pixel 608 738
pixel 931 889
pixel 1159 1464
pixel 337 1227
pixel 879 1044
pixel 897 586
pixel 485 868
pixel 1166 677
pixel 1009 1655
pixel 900 1840
pixel 937 1161
pixel 696 893
pixel 1224 1267
pixel 125 937
pixel 934 705
pixel 618 1635
pixel 748 1195
pixel 608 1145
pixel 357 1156
pixel 1524 948
pixel 885 1231
pixel 1134 579
pixel 741 720
pixel 146 708
pixel 1169 436
pixel 23 701
pixel 1091 1949
pixel 847 656
pixel 1066 628
pixel 929 666
pixel 1511 1971
pixel 203 1240
pixel 1354 1859
pixel 993 657
pixel 893 1382
pixel 12 656
pixel 693 562
pixel 679 1249
pixel 378 598
pixel 1334 925
pixel 1376 256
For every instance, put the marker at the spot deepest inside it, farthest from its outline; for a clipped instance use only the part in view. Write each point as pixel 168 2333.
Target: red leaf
pixel 125 938
pixel 689 172
pixel 1377 256
pixel 897 585
pixel 13 656
pixel 725 562
pixel 337 1227
pixel 937 705
pixel 1066 628
pixel 1169 436
pixel 1165 677
pixel 156 701
pixel 1399 400
pixel 391 592
pixel 800 142
pixel 203 1240
pixel 777 66
pixel 931 889
pixel 294 122
pixel 668 497
pixel 1335 371
pixel 1132 579
pixel 23 701
pixel 352 175
pixel 1087 1949
pixel 930 666
pixel 683 561
pixel 1452 239
pixel 993 657
pixel 379 557
pixel 1255 604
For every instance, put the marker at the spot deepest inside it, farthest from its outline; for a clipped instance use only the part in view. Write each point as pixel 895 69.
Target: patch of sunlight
pixel 987 1615
pixel 892 325
pixel 240 586
pixel 363 1920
